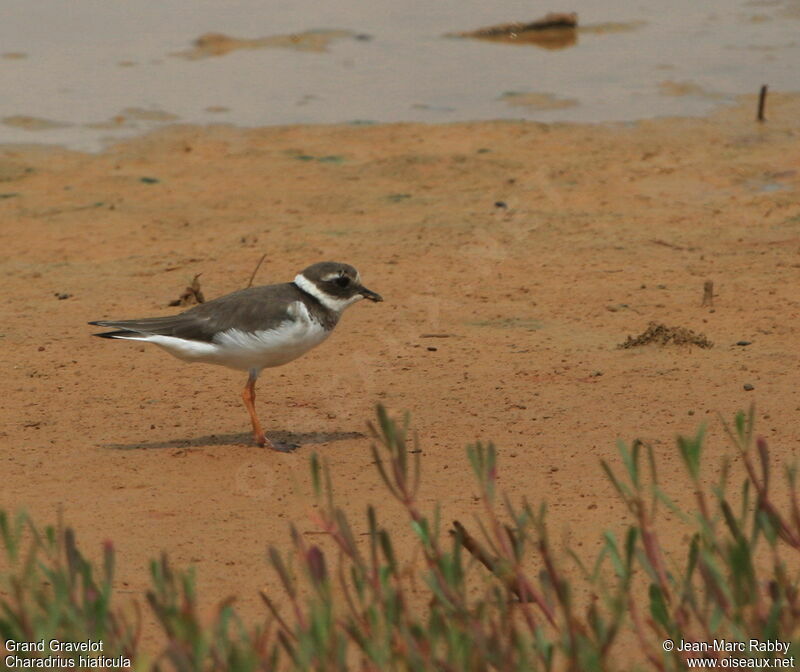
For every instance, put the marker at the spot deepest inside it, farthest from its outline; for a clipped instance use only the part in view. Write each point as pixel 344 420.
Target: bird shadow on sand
pixel 284 441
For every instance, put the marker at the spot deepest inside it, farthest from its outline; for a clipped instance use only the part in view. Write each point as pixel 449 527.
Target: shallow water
pixel 86 71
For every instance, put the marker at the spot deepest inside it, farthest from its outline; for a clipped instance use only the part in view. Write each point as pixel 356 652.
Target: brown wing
pixel 249 309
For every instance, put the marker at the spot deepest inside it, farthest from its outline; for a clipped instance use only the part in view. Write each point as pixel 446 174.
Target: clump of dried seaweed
pixel 661 334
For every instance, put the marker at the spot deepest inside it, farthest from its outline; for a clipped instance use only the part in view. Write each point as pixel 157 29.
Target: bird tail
pixel 135 328
pixel 120 333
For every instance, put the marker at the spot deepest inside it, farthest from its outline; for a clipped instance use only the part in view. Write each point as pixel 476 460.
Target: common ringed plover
pixel 254 328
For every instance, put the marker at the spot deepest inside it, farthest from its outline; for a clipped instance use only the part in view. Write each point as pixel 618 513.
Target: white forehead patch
pixel 330 302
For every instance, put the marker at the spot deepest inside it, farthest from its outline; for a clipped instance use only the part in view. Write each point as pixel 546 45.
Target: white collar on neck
pixel 330 302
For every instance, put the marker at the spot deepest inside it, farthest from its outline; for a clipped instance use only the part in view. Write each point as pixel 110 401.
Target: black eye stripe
pixel 342 281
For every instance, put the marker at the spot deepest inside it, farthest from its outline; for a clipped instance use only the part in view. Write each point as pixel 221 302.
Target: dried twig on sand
pixel 191 295
pixel 255 270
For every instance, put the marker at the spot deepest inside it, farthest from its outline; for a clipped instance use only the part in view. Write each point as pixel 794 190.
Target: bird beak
pixel 369 294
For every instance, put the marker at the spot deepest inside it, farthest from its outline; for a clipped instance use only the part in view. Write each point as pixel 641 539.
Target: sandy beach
pixel 514 258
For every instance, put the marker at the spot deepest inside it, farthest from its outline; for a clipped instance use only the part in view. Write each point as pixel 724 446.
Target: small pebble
pixel 743 342
pixel 748 387
pixel 500 204
pixel 41 348
pixel 432 348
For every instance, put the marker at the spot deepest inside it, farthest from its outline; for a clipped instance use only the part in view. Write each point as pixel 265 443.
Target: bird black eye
pixel 342 281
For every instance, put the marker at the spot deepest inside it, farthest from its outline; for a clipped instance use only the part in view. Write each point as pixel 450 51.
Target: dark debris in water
pixel 661 334
pixel 554 31
pixel 550 22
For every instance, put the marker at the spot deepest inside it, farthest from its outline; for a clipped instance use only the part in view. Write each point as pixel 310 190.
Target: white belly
pixel 238 349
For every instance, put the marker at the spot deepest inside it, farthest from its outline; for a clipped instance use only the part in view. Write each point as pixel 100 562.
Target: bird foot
pixel 264 442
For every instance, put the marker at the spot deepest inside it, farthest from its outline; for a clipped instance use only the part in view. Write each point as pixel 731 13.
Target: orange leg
pixel 249 397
